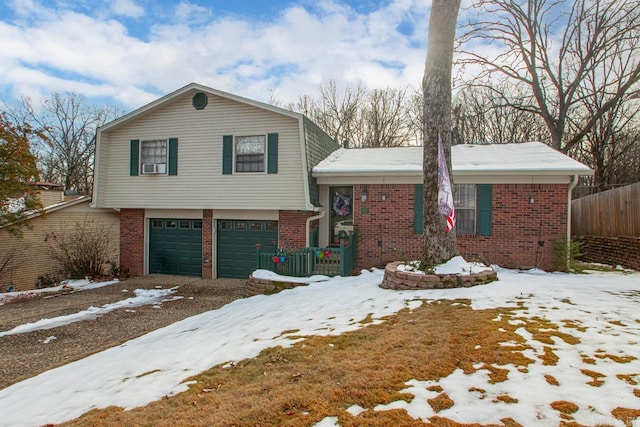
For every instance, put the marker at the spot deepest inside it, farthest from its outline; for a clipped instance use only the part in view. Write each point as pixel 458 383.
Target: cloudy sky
pixel 129 52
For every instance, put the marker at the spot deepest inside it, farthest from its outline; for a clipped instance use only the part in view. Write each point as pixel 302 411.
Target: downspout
pixel 312 218
pixel 572 185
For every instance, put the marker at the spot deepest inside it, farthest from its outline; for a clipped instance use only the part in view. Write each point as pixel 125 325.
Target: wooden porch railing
pixel 305 262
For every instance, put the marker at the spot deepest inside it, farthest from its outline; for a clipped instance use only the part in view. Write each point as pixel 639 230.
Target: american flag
pixel 445 195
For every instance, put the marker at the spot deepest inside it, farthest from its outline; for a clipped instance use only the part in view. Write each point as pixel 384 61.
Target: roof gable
pixel 194 88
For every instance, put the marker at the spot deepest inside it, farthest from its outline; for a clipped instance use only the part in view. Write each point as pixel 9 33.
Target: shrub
pixel 81 252
pixel 564 252
pixel 48 280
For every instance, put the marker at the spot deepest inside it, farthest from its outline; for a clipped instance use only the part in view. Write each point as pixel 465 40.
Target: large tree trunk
pixel 439 245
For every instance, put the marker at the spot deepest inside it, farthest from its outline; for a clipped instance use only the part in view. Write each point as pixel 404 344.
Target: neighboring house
pixel 27 257
pixel 512 201
pixel 201 176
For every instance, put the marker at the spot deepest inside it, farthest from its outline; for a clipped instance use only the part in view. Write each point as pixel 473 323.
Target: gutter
pixel 572 185
pixel 312 218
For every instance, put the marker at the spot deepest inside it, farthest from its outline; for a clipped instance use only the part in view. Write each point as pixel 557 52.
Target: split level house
pixel 202 178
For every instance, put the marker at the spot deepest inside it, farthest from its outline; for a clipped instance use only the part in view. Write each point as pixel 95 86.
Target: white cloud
pixel 127 8
pixel 289 55
pixel 189 12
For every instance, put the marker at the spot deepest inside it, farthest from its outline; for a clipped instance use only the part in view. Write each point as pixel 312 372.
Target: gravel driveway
pixel 26 355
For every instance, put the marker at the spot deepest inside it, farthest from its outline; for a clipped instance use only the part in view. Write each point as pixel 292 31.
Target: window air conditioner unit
pixel 154 168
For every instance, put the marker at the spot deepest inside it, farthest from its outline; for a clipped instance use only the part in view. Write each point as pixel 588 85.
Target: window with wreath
pixel 153 156
pixel 250 153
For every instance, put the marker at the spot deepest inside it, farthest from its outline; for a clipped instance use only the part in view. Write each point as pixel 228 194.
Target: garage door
pixel 237 245
pixel 175 246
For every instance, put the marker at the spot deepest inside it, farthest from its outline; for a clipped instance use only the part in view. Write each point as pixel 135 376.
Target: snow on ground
pixel 71 285
pixel 154 365
pixel 143 297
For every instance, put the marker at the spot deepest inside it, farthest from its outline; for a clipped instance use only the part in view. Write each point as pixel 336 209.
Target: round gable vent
pixel 200 101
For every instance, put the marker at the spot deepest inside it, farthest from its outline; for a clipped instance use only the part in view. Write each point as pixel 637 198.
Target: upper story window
pixel 153 156
pixel 464 199
pixel 250 153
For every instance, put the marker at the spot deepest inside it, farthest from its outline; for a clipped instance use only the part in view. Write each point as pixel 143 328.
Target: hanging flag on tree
pixel 445 195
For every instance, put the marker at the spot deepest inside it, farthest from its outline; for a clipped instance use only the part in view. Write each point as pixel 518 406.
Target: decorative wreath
pixel 341 205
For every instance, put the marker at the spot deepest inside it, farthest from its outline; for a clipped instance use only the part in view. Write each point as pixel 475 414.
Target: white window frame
pixel 460 207
pixel 263 165
pixel 156 163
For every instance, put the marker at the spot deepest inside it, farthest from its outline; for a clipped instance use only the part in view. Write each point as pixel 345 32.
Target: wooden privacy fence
pixel 612 213
pixel 305 262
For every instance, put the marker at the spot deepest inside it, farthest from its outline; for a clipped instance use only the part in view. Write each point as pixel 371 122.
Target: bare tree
pixel 438 244
pixel 615 132
pixel 552 48
pixel 363 118
pixel 383 119
pixel 70 126
pixel 482 117
pixel 335 112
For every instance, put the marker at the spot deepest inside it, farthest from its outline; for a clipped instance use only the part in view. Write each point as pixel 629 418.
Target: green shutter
pixel 173 156
pixel 134 158
pixel 484 209
pixel 418 209
pixel 227 154
pixel 272 153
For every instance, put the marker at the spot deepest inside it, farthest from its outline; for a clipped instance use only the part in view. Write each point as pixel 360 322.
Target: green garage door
pixel 237 245
pixel 175 246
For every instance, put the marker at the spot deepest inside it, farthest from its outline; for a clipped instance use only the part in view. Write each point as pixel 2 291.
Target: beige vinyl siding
pixel 50 197
pixel 173 213
pixel 200 183
pixel 32 250
pixel 323 237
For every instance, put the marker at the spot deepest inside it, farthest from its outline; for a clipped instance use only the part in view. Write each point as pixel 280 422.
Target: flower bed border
pixel 406 280
pixel 257 286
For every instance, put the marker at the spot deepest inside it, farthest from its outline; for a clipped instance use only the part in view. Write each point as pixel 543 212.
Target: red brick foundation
pixel 132 241
pixel 207 244
pixel 386 229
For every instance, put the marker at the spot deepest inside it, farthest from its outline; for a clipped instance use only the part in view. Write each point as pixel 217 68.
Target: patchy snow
pixel 527 157
pixel 456 265
pixel 15 205
pixel 143 297
pixel 603 304
pixel 69 285
pixel 270 275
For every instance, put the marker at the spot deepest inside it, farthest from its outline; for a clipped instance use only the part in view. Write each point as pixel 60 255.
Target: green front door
pixel 237 242
pixel 175 246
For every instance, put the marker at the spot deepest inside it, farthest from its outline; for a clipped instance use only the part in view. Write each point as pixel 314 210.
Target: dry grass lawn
pixel 323 376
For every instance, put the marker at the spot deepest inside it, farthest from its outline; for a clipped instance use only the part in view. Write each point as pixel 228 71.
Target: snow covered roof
pixel 528 158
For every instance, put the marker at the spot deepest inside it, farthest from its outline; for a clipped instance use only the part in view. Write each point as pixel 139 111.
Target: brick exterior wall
pixel 207 244
pixel 292 233
pixel 132 241
pixel 517 226
pixel 624 251
pixel 386 233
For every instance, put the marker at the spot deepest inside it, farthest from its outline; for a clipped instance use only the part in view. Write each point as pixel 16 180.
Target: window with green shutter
pixel 134 157
pixel 272 153
pixel 418 209
pixel 227 154
pixel 473 205
pixel 173 156
pixel 484 209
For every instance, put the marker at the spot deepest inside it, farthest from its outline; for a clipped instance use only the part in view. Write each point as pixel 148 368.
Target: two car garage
pixel 175 246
